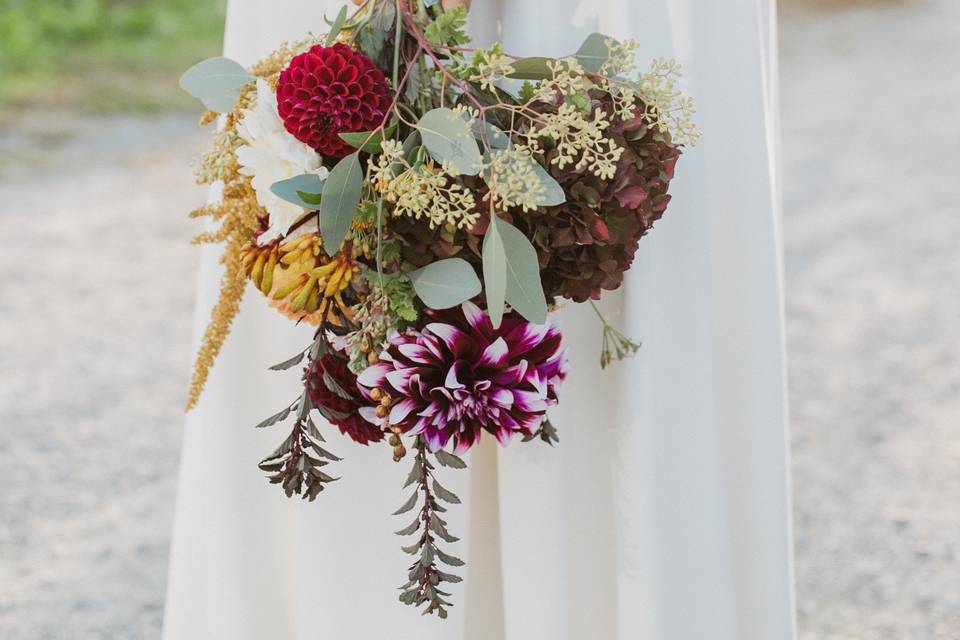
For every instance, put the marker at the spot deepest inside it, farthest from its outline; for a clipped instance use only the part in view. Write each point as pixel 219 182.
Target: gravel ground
pixel 872 235
pixel 90 416
pixel 90 410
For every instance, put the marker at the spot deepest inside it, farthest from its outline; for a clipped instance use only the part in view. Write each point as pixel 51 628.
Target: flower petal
pixel 529 401
pixel 455 339
pixel 401 410
pixel 524 337
pixel 451 382
pixel 370 415
pixel 374 375
pixel 477 318
pixel 399 379
pixel 495 355
pixel 415 352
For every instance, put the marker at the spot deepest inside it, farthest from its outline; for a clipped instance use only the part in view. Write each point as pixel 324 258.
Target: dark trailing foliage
pixel 424 578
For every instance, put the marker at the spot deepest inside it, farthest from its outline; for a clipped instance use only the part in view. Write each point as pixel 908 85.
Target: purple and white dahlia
pixel 458 376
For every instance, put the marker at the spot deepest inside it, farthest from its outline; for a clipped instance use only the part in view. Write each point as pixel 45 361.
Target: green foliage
pixel 391 250
pixel 526 92
pixel 399 292
pixel 449 28
pixel 494 274
pixel 536 68
pixel 594 52
pixel 400 295
pixel 516 263
pixel 303 190
pixel 341 194
pixel 369 141
pixel 103 54
pixel 446 283
pixel 450 140
pixel 217 82
pixel 336 26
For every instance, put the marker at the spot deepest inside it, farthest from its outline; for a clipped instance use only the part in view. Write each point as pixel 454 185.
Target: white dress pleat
pixel 663 514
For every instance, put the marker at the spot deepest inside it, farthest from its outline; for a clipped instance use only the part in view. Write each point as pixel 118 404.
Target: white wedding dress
pixel 663 514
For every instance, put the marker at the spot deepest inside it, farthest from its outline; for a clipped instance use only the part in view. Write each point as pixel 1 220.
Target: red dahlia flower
pixel 459 376
pixel 328 91
pixel 333 389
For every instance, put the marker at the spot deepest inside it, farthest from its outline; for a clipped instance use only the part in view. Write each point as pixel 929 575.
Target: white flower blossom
pixel 270 154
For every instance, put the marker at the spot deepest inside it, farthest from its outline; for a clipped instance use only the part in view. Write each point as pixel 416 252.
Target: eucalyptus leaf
pixel 524 289
pixel 594 52
pixel 216 82
pixel 337 26
pixel 411 144
pixel 369 141
pixel 554 192
pixel 531 68
pixel 341 194
pixel 449 140
pixel 495 137
pixel 494 274
pixel 303 190
pixel 445 283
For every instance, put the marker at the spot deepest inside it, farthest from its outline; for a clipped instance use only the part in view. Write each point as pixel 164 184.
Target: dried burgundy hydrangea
pixel 458 377
pixel 328 91
pixel 333 389
pixel 587 243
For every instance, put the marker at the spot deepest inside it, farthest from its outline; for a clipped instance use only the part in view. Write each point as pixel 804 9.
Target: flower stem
pixel 615 345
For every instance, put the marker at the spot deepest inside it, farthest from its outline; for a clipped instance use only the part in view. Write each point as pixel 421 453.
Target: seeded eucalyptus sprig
pixel 424 576
pixel 297 464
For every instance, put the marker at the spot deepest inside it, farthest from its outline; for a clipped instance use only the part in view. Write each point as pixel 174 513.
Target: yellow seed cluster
pixel 513 181
pixel 235 231
pixel 666 106
pixel 427 192
pixel 489 66
pixel 579 138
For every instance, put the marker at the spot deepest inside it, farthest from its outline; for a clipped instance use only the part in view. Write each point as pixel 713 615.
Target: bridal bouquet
pixel 426 206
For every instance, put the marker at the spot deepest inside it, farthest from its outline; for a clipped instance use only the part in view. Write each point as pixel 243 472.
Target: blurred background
pixel 92 127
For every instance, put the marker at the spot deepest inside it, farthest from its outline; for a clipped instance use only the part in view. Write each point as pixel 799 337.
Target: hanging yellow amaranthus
pixel 238 215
